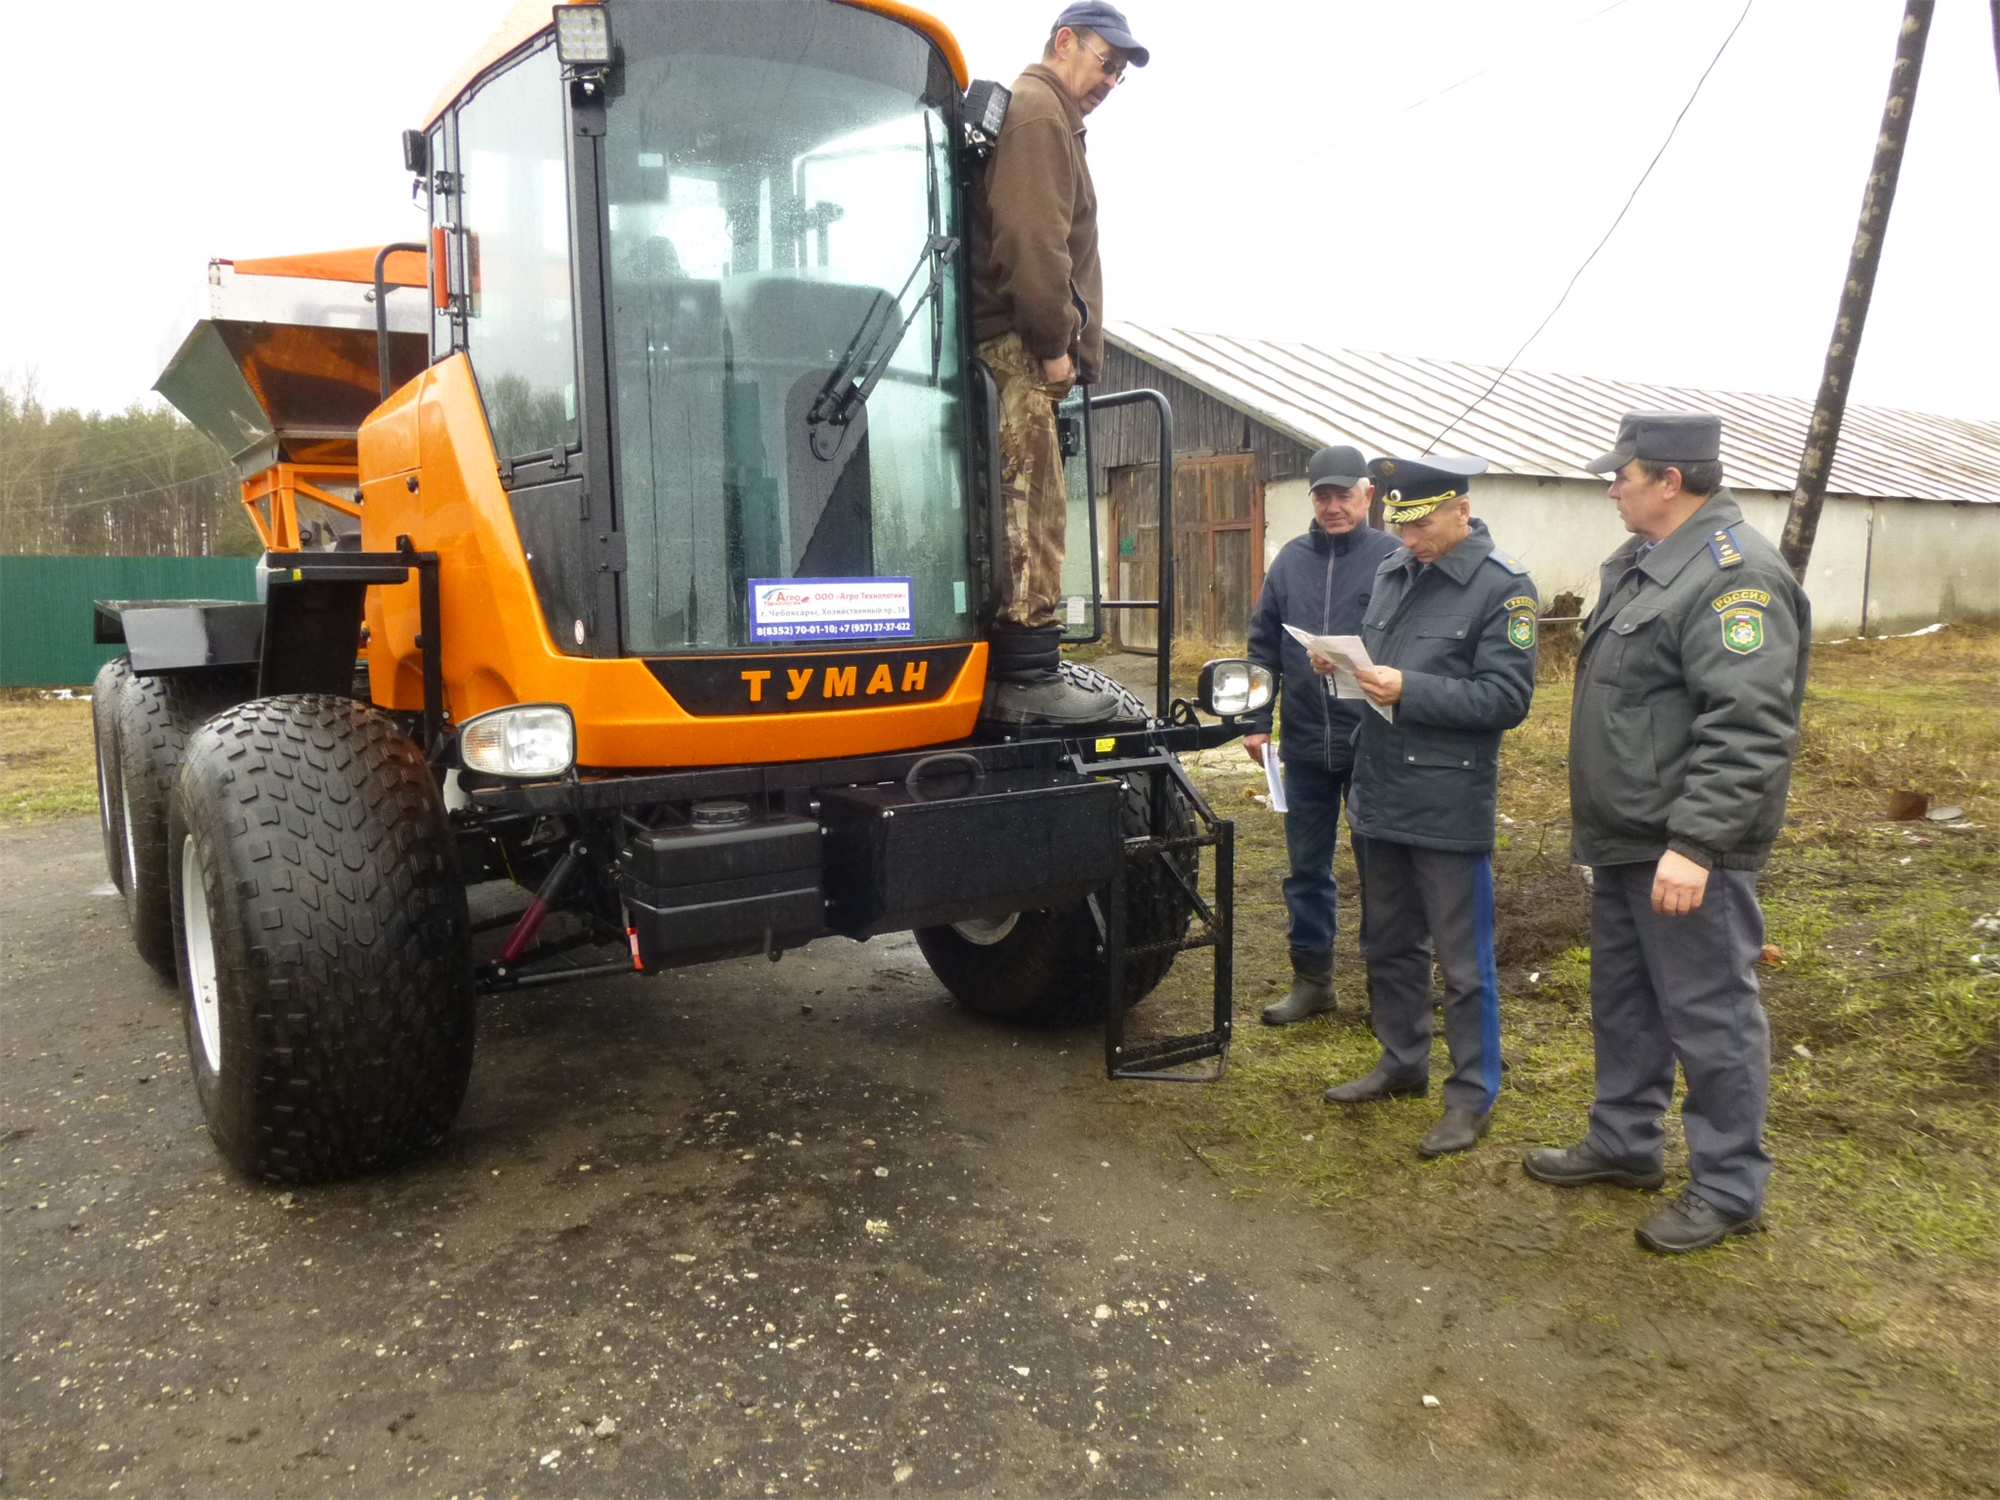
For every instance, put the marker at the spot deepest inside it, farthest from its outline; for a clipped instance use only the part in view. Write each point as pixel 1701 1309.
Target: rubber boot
pixel 1311 993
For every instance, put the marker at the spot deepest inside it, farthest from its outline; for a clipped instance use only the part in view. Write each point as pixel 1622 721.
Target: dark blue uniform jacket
pixel 1462 632
pixel 1320 583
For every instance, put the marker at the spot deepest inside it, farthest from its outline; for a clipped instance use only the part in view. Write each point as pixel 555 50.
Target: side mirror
pixel 416 152
pixel 1230 686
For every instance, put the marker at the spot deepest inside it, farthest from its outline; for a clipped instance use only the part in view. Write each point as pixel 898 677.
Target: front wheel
pixel 324 947
pixel 1046 969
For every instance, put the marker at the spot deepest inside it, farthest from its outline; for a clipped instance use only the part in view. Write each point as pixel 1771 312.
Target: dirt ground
pixel 757 1230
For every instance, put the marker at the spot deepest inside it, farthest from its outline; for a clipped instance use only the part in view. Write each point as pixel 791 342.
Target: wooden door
pixel 1218 548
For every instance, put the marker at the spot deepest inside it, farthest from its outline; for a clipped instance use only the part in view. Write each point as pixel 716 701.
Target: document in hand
pixel 1346 655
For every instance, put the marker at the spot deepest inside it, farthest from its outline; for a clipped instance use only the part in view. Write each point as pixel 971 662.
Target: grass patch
pixel 47 766
pixel 1884 1004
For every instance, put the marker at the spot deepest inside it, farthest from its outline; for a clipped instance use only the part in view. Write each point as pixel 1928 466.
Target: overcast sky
pixel 1275 172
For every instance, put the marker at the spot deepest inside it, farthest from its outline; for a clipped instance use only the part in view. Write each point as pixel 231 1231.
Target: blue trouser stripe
pixel 1489 976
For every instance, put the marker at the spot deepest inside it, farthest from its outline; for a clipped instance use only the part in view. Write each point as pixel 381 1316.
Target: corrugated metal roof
pixel 1538 423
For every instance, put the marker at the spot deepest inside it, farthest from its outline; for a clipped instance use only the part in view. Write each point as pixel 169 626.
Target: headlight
pixel 1229 687
pixel 529 739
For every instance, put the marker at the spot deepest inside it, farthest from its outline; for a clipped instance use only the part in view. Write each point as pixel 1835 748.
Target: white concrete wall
pixel 1931 560
pixel 1288 511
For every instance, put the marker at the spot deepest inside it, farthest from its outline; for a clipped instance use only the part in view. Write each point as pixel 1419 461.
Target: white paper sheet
pixel 1348 656
pixel 1274 778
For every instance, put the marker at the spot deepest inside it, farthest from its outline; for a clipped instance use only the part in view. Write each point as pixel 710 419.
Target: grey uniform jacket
pixel 1462 632
pixel 1688 687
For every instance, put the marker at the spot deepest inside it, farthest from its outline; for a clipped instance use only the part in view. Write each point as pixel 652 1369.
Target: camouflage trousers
pixel 1034 501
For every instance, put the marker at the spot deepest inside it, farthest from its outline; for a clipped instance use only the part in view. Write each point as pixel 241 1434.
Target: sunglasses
pixel 1116 75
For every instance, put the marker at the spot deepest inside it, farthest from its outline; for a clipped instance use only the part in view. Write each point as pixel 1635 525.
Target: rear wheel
pixel 1046 968
pixel 107 702
pixel 325 950
pixel 157 715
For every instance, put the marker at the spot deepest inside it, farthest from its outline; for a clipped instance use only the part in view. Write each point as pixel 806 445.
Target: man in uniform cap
pixel 1038 316
pixel 1321 583
pixel 1686 715
pixel 1451 628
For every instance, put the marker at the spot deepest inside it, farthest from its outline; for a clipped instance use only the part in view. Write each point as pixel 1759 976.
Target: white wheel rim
pixel 986 931
pixel 201 956
pixel 131 847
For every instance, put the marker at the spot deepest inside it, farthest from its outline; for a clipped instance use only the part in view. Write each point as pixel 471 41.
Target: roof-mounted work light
pixel 583 37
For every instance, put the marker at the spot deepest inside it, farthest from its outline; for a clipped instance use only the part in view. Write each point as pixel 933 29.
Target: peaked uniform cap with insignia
pixel 1414 487
pixel 1662 437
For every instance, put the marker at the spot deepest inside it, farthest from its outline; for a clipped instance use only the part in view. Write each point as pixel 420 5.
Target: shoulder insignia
pixel 1727 553
pixel 1521 624
pixel 1521 601
pixel 1742 629
pixel 1507 561
pixel 1742 596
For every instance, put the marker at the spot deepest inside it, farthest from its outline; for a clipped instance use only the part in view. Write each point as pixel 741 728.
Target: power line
pixel 1629 200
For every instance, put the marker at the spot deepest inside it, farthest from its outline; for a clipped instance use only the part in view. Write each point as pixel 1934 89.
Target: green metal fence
pixel 45 617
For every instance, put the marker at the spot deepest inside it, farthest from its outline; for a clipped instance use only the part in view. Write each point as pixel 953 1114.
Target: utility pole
pixel 1823 436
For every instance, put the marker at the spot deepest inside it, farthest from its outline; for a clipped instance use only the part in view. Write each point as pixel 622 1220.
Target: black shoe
pixel 1459 1130
pixel 1311 993
pixel 1573 1166
pixel 1049 700
pixel 1690 1222
pixel 1377 1085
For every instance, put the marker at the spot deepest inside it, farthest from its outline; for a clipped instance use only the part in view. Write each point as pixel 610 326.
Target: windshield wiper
pixel 843 392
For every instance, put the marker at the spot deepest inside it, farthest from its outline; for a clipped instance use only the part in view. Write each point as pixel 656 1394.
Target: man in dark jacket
pixel 1688 687
pixel 1451 629
pixel 1319 582
pixel 1038 317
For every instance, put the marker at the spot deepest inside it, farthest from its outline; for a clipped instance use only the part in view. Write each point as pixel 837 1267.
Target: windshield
pixel 774 173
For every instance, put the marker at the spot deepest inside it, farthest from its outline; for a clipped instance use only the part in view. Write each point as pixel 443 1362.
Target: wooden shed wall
pixel 1202 424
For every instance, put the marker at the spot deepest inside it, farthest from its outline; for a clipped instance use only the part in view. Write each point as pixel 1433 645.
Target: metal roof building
pixel 1540 424
pixel 1910 535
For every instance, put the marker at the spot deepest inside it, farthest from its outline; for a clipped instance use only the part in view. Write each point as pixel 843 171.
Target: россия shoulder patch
pixel 1741 596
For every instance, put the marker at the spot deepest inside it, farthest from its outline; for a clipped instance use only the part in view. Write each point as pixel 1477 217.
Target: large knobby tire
pixel 325 949
pixel 1131 707
pixel 157 716
pixel 1046 968
pixel 107 702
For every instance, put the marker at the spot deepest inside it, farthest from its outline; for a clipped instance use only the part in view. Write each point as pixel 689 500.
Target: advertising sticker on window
pixel 827 609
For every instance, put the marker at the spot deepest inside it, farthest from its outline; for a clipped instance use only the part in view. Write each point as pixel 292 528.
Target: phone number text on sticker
pixel 792 609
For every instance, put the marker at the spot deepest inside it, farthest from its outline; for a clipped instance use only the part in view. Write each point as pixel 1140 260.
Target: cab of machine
pixel 703 261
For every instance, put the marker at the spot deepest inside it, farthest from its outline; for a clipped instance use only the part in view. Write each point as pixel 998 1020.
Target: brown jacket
pixel 1034 231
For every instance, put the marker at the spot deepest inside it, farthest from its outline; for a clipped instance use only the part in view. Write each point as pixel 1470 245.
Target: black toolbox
pixel 896 860
pixel 740 884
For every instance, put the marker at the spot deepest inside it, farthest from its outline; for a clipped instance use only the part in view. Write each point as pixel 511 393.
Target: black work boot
pixel 1311 993
pixel 1378 1083
pixel 1026 686
pixel 1459 1130
pixel 1573 1166
pixel 1690 1222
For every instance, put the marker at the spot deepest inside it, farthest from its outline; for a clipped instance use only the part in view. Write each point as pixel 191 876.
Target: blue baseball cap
pixel 1109 22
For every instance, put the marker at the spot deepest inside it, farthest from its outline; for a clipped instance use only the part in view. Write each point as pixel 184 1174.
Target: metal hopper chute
pixel 287 362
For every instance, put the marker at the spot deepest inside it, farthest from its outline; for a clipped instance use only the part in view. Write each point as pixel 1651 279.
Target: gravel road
pixel 742 1230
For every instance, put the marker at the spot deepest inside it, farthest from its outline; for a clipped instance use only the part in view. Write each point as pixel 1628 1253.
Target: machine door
pixel 509 221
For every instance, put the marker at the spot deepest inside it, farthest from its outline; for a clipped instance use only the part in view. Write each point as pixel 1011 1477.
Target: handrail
pixel 1165 604
pixel 382 309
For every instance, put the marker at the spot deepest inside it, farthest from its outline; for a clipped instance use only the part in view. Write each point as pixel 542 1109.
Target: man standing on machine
pixel 1037 313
